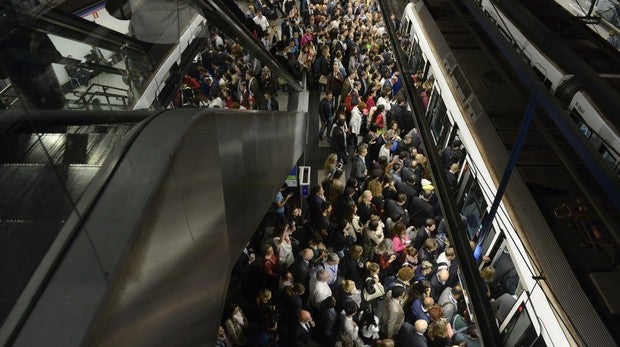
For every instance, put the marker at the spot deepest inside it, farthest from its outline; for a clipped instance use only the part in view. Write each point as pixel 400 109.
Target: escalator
pixel 120 227
pixel 150 232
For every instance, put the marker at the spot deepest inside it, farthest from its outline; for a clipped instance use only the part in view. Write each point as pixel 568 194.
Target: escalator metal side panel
pixel 62 313
pixel 270 146
pixel 163 258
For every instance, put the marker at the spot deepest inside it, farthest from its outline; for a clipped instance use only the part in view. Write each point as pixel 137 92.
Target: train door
pixel 521 326
pixel 416 57
pixel 455 134
pixel 470 200
pixel 406 32
pixel 506 280
pixel 439 118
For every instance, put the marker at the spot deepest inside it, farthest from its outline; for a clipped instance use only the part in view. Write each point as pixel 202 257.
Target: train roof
pixel 571 34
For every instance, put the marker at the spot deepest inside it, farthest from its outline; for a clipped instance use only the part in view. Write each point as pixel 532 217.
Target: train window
pixel 520 330
pixel 506 277
pixel 416 59
pixel 473 206
pixel 438 115
pixel 465 179
pixel 607 155
pixel 583 127
pixel 495 247
pixel 406 28
pixel 446 130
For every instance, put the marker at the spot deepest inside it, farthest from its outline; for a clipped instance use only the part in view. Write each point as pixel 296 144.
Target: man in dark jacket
pixel 339 138
pixel 358 164
pixel 326 112
pixel 270 103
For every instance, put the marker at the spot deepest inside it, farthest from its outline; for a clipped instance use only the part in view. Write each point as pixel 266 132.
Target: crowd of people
pixel 341 46
pixel 368 262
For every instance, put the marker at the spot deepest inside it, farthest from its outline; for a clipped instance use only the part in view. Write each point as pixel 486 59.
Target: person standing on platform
pixel 358 161
pixel 339 138
pixel 326 112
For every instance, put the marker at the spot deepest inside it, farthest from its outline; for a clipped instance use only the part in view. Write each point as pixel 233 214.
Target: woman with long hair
pixel 400 237
pixel 378 118
pixel 364 206
pixel 439 333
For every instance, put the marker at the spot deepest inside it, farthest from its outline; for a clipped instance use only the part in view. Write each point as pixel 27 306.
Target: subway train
pixel 599 126
pixel 476 98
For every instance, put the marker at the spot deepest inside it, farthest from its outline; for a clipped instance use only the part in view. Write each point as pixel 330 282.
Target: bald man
pixel 420 307
pixel 412 336
pixel 439 283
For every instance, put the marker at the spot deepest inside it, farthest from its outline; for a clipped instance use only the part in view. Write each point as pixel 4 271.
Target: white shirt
pixel 262 22
pixel 217 102
pixel 218 41
pixel 321 292
pixel 385 102
pixel 442 259
pixel 356 120
pixel 332 270
pixel 385 151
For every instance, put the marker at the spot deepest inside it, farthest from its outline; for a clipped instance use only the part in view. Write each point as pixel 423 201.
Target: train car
pixel 607 10
pixel 475 97
pixel 601 128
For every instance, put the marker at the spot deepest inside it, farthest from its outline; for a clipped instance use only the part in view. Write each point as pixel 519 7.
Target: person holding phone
pixel 279 204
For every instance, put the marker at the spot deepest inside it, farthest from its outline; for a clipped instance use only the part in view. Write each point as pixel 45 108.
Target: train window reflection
pixel 583 127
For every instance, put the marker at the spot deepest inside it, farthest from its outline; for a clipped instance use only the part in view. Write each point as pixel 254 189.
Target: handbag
pixel 119 9
pixel 323 79
pixel 379 292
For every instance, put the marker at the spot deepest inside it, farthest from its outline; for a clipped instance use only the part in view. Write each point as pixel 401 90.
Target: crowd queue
pixel 368 262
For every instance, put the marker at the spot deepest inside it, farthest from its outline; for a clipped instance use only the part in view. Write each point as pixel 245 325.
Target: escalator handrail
pixel 42 119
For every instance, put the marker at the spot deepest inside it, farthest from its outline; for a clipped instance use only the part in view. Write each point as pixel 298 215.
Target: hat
pixel 426 185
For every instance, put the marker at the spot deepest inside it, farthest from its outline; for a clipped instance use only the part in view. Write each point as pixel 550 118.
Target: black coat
pixel 274 105
pixel 419 211
pixel 299 337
